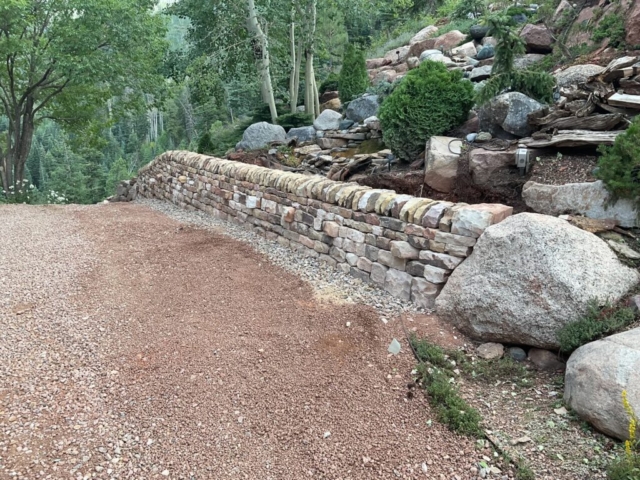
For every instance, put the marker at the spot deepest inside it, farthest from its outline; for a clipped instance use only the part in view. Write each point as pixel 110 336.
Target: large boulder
pixel 537 38
pixel 529 276
pixel 398 55
pixel 465 50
pixel 436 56
pixel 449 40
pixel 590 199
pixel 597 374
pixel 442 156
pixel 416 49
pixel 362 108
pixel 509 113
pixel 486 52
pixel 374 63
pixel 334 104
pixel 576 74
pixel 423 34
pixel 525 61
pixel 328 120
pixel 478 32
pixel 303 134
pixel 260 135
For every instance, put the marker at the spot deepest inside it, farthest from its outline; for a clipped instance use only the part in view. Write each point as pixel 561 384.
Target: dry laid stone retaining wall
pixel 407 245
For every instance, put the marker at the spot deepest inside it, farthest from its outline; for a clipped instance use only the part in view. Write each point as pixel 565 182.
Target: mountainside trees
pixel 65 60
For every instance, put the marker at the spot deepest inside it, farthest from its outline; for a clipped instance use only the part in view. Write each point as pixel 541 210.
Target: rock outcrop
pixel 529 276
pixel 537 38
pixel 260 135
pixel 597 374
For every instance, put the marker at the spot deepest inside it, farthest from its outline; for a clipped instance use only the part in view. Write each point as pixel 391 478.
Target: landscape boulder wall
pixel 260 135
pixel 409 246
pixel 529 276
pixel 597 373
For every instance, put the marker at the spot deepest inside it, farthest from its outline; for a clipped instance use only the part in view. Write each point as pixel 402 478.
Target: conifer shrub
pixel 330 84
pixel 504 76
pixel 611 27
pixel 354 79
pixel 295 120
pixel 429 101
pixel 619 165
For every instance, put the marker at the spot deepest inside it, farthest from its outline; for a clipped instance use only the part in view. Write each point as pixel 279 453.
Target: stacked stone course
pixel 407 245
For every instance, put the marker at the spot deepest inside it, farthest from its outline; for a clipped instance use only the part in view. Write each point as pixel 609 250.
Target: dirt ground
pixel 134 346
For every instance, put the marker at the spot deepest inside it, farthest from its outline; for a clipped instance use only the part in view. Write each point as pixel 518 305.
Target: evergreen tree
pixel 504 76
pixel 354 79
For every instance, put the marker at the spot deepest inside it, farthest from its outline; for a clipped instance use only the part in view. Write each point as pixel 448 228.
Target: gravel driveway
pixel 135 346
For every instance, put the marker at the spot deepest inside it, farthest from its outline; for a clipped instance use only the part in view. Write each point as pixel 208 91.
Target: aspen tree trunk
pixel 311 92
pixel 261 56
pixel 296 76
pixel 293 98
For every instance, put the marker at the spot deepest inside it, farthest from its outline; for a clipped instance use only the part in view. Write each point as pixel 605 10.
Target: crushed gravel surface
pixel 135 346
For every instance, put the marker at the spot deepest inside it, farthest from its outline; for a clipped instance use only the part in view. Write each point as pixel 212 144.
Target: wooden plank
pixel 573 138
pixel 622 100
pixel 594 122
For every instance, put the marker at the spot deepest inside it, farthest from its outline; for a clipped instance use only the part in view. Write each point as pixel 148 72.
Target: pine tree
pixel 354 79
pixel 504 76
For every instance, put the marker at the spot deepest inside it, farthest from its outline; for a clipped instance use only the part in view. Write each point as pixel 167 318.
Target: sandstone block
pixel 424 293
pixel 436 275
pixel 404 250
pixel 473 220
pixel 388 259
pixel 378 273
pixel 398 284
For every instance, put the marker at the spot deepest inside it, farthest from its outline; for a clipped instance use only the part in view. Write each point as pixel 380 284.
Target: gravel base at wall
pixel 328 283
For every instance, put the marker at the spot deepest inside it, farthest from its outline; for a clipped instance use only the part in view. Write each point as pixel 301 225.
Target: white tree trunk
pixel 311 92
pixel 261 55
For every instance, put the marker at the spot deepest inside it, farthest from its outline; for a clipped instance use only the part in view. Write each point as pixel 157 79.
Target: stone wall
pixel 407 245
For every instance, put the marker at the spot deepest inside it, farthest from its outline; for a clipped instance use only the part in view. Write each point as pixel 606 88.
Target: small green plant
pixel 597 323
pixel 329 84
pixel 466 8
pixel 383 89
pixel 627 467
pixel 354 78
pixel 612 27
pixel 205 145
pixel 428 101
pixel 504 76
pixel 491 370
pixel 295 120
pixel 619 165
pixel 434 374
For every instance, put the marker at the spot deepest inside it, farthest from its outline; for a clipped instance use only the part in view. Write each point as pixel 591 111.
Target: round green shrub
pixel 429 101
pixel 619 165
pixel 330 84
pixel 354 79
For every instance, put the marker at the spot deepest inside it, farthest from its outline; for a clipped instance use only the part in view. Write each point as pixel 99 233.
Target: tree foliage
pixel 619 165
pixel 504 76
pixel 354 79
pixel 429 101
pixel 67 59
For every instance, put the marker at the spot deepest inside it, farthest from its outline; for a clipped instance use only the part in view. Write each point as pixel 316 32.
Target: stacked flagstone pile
pixel 407 245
